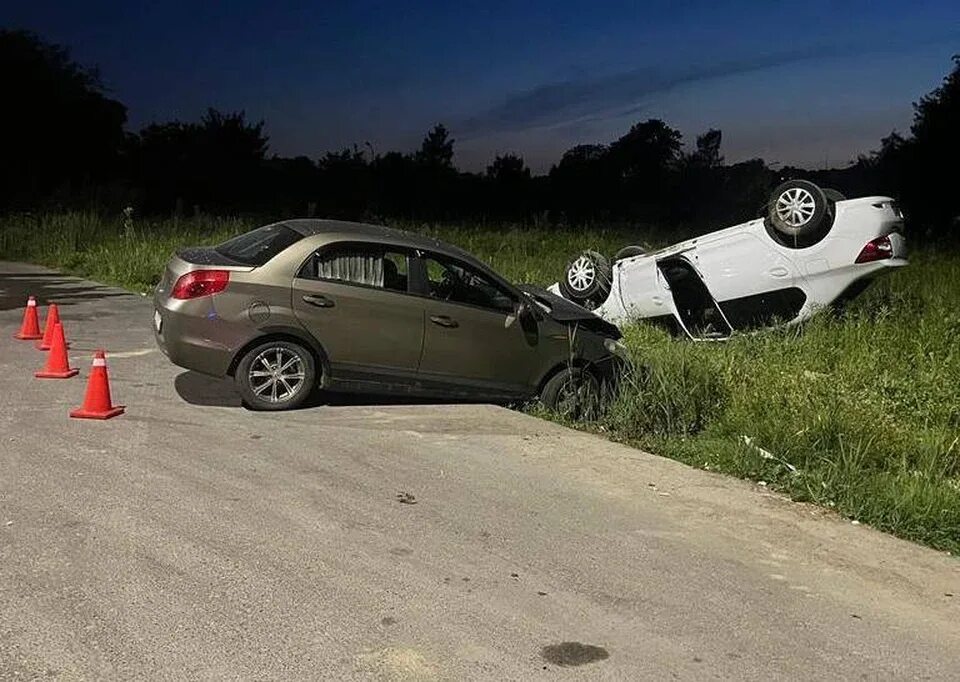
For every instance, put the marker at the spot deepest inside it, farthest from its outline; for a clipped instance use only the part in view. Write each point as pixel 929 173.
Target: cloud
pixel 610 96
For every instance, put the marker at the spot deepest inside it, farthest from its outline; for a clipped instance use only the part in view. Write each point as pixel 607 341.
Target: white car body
pixel 754 279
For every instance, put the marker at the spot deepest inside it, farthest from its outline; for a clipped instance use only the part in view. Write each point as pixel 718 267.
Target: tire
pixel 833 195
pixel 798 209
pixel 629 252
pixel 587 279
pixel 573 392
pixel 261 390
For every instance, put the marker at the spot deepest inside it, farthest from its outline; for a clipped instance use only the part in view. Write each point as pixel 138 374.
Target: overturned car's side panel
pixel 642 292
pixel 829 268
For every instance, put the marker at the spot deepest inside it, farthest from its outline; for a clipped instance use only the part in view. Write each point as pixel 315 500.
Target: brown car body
pixel 371 339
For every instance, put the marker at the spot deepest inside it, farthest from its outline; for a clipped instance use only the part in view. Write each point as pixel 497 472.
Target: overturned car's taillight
pixel 877 249
pixel 200 283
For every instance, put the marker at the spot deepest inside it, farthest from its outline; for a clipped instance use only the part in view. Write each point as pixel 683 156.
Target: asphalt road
pixel 190 538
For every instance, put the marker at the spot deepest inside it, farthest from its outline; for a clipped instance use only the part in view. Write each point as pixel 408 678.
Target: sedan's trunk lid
pixel 195 258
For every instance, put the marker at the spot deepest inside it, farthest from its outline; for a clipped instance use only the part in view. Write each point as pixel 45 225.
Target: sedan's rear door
pixel 353 298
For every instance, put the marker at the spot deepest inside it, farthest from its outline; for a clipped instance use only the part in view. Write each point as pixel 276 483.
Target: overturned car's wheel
pixel 276 375
pixel 833 195
pixel 798 209
pixel 573 392
pixel 629 252
pixel 587 279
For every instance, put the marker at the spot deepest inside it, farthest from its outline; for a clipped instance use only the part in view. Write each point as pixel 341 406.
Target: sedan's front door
pixel 473 338
pixel 353 299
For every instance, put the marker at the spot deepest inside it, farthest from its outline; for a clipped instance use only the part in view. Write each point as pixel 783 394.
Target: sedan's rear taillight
pixel 200 283
pixel 877 249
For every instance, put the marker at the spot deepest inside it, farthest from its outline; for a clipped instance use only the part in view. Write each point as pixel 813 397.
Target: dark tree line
pixel 59 128
pixel 66 144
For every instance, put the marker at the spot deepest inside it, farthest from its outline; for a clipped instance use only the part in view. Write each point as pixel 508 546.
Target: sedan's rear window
pixel 260 245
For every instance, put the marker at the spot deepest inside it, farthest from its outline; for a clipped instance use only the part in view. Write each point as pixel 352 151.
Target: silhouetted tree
pixel 508 169
pixel 395 185
pixel 345 183
pixel 436 150
pixel 435 188
pixel 649 148
pixel 707 154
pixel 291 185
pixel 744 191
pixel 214 164
pixel 700 180
pixel 584 183
pixel 510 186
pixel 929 163
pixel 646 159
pixel 60 131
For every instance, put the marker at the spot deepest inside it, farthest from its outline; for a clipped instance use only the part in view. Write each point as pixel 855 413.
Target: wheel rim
pixel 796 206
pixel 574 397
pixel 276 375
pixel 581 274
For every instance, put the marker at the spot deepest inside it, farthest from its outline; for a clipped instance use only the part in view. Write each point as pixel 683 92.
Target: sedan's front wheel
pixel 573 392
pixel 276 375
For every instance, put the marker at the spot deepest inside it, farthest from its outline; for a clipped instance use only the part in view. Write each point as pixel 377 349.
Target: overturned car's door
pixel 645 293
pixel 753 282
pixel 697 311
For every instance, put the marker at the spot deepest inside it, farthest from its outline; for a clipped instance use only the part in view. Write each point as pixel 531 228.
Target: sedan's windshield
pixel 260 245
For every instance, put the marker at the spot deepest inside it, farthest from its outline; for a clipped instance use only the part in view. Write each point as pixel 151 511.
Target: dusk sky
pixel 796 83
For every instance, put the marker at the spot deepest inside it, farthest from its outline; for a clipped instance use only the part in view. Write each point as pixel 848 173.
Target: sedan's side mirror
pixel 528 314
pixel 525 308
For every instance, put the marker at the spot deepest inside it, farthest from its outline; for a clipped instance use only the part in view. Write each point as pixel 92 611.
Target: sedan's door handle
pixel 318 300
pixel 444 321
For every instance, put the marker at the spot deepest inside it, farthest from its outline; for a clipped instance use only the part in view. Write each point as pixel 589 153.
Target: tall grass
pixel 860 413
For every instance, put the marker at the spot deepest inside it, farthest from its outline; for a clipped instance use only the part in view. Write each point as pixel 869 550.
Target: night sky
pixel 807 83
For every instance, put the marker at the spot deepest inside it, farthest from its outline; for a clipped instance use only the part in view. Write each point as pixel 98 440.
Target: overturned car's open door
pixel 670 292
pixel 696 309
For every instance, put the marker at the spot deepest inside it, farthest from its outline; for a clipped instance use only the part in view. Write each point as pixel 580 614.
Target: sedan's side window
pixel 366 265
pixel 458 283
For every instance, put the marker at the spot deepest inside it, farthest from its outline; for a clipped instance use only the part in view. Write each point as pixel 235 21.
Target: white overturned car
pixel 814 249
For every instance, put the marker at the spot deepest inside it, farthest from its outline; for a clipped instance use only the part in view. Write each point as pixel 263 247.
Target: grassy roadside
pixel 861 414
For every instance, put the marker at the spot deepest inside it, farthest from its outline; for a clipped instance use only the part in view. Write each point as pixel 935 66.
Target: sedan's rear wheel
pixel 276 375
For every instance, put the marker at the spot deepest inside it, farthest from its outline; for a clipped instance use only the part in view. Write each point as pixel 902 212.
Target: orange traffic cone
pixel 96 403
pixel 58 364
pixel 53 319
pixel 30 327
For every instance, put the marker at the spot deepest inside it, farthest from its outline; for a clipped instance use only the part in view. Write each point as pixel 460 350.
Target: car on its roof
pixel 353 307
pixel 815 249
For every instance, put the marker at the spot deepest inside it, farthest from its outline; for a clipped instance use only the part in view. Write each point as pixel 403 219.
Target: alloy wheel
pixel 796 207
pixel 276 374
pixel 581 274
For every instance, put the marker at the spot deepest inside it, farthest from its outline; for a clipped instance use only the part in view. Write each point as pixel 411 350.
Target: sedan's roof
pixel 343 230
